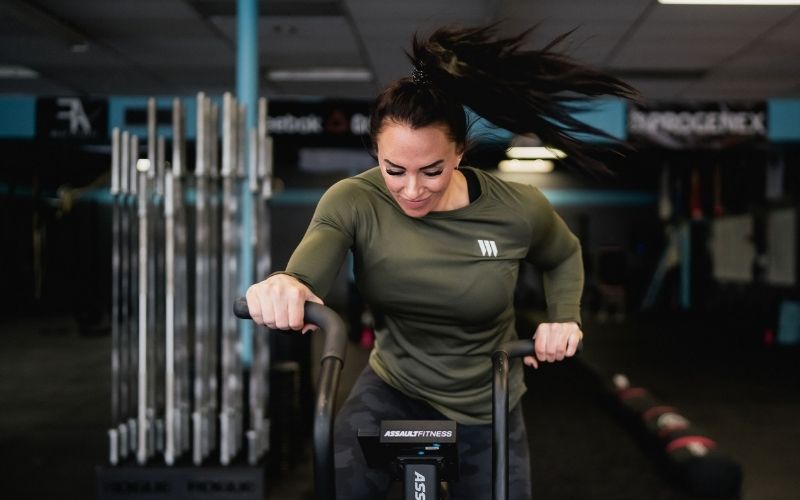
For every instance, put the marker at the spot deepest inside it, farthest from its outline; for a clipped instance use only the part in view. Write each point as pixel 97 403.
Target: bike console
pixel 425 450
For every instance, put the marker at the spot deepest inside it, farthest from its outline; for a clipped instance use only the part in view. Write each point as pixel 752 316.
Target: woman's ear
pixel 460 150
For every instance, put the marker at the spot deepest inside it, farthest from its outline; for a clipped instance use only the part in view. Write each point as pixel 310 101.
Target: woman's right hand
pixel 278 302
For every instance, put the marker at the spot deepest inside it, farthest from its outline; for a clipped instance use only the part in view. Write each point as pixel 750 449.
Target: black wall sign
pixel 705 126
pixel 72 118
pixel 328 138
pixel 138 116
pixel 334 119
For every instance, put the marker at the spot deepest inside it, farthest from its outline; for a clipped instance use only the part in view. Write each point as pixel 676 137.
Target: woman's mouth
pixel 414 203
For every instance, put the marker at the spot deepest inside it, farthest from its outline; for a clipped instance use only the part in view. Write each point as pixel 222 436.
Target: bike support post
pixel 420 480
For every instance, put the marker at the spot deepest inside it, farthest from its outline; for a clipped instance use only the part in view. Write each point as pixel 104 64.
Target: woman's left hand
pixel 554 342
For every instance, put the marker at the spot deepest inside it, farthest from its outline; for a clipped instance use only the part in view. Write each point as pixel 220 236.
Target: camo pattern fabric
pixel 372 400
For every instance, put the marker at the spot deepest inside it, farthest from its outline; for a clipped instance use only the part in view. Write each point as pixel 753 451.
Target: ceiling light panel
pixel 329 74
pixel 17 72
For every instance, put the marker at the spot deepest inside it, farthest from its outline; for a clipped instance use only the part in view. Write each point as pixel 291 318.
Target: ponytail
pixel 524 91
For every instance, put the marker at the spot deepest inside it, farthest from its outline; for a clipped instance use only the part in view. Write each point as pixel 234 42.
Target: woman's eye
pixel 433 174
pixel 394 172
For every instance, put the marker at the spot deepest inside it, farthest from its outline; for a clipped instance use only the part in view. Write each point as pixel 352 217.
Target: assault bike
pixel 420 453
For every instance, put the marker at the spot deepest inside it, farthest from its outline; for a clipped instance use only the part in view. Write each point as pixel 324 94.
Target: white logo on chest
pixel 488 248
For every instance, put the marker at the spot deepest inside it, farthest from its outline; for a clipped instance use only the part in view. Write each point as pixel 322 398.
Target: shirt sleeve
pixel 318 257
pixel 556 251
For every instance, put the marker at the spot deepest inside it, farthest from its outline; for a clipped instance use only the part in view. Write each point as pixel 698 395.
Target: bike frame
pixel 500 358
pixel 332 361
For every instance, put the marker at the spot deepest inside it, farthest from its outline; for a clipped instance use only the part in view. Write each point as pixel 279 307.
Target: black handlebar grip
pixel 318 314
pixel 524 347
pixel 240 308
pixel 517 348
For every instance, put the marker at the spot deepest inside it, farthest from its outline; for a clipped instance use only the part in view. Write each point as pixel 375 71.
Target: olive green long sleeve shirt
pixel 442 283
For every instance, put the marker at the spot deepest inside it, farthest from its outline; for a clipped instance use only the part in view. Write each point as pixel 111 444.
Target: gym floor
pixel 54 389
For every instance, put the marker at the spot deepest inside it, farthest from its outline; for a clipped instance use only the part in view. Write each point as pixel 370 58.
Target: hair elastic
pixel 419 76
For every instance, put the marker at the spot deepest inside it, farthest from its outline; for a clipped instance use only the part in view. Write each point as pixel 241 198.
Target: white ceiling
pixel 179 47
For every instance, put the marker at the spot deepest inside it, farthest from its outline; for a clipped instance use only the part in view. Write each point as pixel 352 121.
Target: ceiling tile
pixel 181 46
pixel 694 36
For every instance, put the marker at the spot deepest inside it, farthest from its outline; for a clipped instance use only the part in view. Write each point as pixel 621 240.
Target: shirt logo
pixel 488 248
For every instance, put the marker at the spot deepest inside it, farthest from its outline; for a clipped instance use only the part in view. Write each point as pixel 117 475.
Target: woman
pixel 437 249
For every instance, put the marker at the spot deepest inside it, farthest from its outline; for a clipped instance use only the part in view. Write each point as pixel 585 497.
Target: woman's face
pixel 417 166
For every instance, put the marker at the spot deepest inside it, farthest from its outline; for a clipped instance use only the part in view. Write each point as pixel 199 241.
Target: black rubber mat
pixel 579 448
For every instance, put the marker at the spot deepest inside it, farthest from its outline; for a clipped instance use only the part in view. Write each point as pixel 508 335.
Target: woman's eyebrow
pixel 434 164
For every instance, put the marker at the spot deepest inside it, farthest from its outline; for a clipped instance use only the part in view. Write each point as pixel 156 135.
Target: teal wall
pixel 17 117
pixel 783 120
pixel 608 115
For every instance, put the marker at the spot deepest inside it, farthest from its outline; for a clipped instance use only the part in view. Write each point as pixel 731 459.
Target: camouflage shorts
pixel 372 400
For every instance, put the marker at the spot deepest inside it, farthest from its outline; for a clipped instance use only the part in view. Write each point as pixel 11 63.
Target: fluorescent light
pixel 320 75
pixel 526 166
pixel 79 47
pixel 730 2
pixel 17 72
pixel 535 152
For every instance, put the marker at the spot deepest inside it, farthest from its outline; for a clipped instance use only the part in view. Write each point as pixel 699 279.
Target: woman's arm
pixel 278 301
pixel 557 252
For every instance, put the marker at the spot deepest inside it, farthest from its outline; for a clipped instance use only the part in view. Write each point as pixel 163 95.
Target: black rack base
pixel 130 482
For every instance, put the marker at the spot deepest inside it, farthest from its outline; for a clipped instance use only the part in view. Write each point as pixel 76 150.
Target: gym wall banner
pixel 328 118
pixel 702 126
pixel 328 136
pixel 72 118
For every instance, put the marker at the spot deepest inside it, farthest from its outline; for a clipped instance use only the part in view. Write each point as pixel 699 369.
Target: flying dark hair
pixel 524 91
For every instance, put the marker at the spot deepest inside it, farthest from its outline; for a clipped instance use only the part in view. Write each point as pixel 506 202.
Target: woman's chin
pixel 415 212
pixel 415 209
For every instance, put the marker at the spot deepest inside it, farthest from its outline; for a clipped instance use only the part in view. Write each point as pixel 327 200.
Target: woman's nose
pixel 411 187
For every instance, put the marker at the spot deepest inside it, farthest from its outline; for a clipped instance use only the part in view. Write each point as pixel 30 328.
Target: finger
pixel 574 340
pixel 295 307
pixel 281 313
pixel 267 316
pixel 267 311
pixel 253 305
pixel 552 342
pixel 530 361
pixel 540 341
pixel 561 341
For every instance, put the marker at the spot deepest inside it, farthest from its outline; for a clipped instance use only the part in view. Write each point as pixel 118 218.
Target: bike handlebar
pixel 500 368
pixel 318 314
pixel 331 362
pixel 522 348
pixel 516 348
